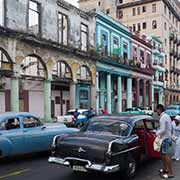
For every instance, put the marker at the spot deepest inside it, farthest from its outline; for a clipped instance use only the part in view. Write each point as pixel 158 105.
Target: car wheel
pixel 131 166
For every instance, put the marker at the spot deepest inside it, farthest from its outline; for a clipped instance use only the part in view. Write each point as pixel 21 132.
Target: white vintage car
pixel 69 117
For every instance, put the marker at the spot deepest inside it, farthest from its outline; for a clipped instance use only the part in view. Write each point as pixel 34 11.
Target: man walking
pixel 165 133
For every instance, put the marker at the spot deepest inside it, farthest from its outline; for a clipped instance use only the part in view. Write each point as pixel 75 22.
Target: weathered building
pixel 45 67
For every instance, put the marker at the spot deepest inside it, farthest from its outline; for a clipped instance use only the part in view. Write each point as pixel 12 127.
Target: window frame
pixel 62 31
pixel 39 16
pixel 87 35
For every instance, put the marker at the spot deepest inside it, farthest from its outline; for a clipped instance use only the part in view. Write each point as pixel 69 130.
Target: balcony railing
pixel 171 36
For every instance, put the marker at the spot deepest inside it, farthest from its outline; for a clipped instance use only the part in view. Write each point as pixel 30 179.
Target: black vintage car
pixel 107 144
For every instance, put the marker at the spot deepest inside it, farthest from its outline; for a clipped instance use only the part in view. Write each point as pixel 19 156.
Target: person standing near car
pixel 176 137
pixel 165 134
pixel 76 113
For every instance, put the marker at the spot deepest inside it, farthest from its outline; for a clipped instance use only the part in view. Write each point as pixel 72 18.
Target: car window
pixel 70 113
pixel 149 125
pixel 139 125
pixel 10 124
pixel 30 122
pixel 109 127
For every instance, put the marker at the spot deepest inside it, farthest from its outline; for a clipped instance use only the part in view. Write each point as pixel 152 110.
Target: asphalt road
pixel 37 168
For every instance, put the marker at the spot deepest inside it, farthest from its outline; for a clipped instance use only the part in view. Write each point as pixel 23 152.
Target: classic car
pixel 107 144
pixel 172 112
pixel 70 121
pixel 133 110
pixel 22 133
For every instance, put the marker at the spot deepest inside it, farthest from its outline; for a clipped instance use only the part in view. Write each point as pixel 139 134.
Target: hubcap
pixel 132 167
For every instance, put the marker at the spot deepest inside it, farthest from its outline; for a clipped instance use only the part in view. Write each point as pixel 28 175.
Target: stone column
pixel 144 93
pixel 119 94
pixel 73 95
pixel 137 92
pixel 161 96
pixel 109 94
pixel 153 103
pixel 129 93
pixel 97 92
pixel 15 94
pixel 150 93
pixel 47 100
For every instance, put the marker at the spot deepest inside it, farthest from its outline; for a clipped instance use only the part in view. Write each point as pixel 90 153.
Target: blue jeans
pixel 166 146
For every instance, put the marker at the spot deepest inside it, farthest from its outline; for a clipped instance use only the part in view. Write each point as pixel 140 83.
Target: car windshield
pixel 108 127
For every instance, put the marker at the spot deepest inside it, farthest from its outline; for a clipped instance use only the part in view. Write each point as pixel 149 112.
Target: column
pixel 153 100
pixel 97 92
pixel 72 95
pixel 137 92
pixel 144 93
pixel 150 93
pixel 47 100
pixel 129 93
pixel 161 96
pixel 15 94
pixel 109 94
pixel 119 94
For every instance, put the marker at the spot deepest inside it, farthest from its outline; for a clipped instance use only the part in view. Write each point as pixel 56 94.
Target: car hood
pixel 93 145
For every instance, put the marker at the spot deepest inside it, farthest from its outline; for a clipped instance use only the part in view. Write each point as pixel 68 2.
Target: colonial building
pixel 160 18
pixel 159 79
pixel 45 67
pixel 142 70
pixel 124 73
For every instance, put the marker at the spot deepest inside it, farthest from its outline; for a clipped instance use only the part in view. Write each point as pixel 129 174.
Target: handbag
pixel 157 144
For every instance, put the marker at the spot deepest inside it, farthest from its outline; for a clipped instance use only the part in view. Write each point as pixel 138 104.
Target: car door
pixel 150 135
pixel 35 137
pixel 12 137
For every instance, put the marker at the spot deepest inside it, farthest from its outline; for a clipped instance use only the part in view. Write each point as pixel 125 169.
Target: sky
pixel 74 2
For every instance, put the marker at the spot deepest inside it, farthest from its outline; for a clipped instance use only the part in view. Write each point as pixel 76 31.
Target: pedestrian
pixel 76 113
pixel 176 138
pixel 165 134
pixel 104 111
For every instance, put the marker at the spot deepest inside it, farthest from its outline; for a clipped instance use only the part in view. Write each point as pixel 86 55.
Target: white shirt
pixel 165 130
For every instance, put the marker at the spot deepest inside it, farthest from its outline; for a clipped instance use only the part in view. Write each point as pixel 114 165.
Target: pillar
pixel 72 95
pixel 153 100
pixel 150 93
pixel 137 92
pixel 119 94
pixel 47 100
pixel 161 96
pixel 15 94
pixel 129 93
pixel 144 93
pixel 97 92
pixel 109 94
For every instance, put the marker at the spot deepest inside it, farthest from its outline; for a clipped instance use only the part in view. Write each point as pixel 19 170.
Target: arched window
pixel 32 66
pixel 62 70
pixel 5 62
pixel 84 74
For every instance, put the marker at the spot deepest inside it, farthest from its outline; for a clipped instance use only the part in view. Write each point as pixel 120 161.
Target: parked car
pixel 147 111
pixel 133 110
pixel 22 133
pixel 107 144
pixel 173 112
pixel 70 121
pixel 175 107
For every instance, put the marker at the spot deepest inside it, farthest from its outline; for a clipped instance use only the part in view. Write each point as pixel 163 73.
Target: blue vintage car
pixel 22 133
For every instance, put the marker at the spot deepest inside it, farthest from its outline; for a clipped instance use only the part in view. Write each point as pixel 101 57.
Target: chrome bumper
pixel 89 166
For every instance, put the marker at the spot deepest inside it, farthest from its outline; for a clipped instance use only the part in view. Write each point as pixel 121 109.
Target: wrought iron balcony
pixel 171 36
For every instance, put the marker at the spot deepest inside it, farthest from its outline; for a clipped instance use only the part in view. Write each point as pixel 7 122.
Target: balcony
pixel 175 54
pixel 171 36
pixel 171 52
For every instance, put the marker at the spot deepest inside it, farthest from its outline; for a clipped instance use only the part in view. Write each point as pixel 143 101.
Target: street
pixel 37 168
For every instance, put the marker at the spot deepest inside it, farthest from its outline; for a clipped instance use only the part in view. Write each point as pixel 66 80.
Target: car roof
pixel 131 119
pixel 8 115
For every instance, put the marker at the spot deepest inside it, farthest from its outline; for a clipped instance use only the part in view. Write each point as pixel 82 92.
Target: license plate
pixel 79 168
